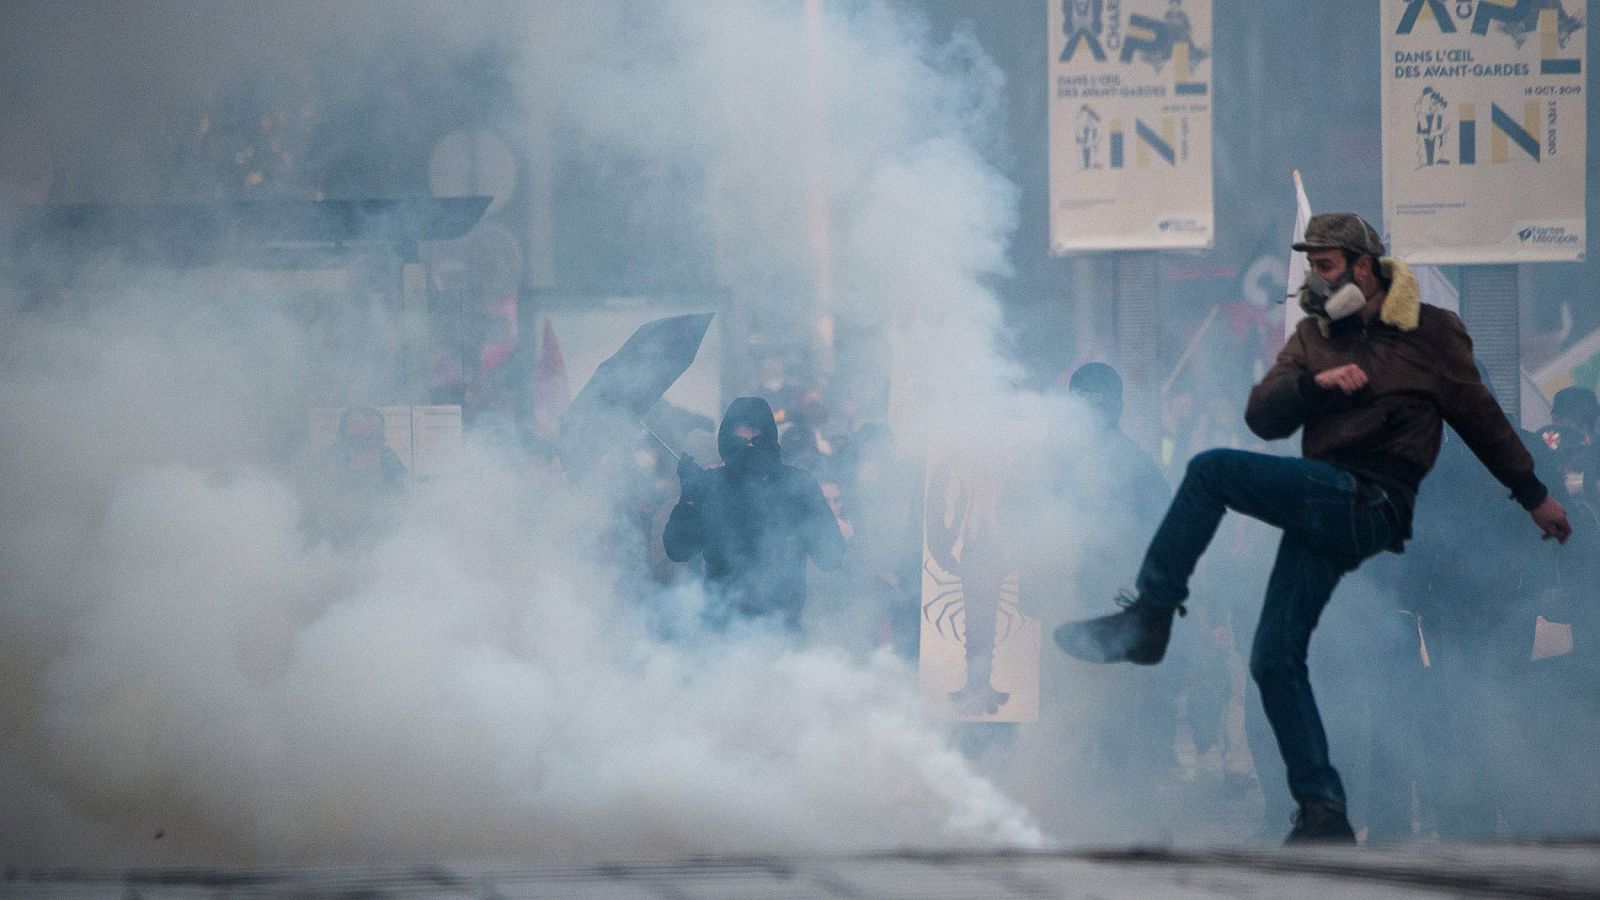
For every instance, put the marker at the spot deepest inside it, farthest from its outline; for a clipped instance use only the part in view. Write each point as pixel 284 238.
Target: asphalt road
pixel 1567 870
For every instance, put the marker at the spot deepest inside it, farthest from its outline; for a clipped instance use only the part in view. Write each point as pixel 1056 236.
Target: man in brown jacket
pixel 1369 375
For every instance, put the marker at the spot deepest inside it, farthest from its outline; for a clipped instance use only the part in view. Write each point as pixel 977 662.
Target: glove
pixel 691 478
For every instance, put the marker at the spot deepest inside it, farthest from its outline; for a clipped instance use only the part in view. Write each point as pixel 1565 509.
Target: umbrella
pixel 624 387
pixel 672 424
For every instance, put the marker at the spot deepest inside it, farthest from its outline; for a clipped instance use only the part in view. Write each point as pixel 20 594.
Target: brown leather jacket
pixel 1418 360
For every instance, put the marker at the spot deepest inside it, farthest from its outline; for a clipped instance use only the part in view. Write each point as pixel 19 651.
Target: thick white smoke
pixel 185 661
pixel 860 108
pixel 190 675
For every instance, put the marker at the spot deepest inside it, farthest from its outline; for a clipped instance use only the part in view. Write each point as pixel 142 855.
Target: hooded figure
pixel 755 519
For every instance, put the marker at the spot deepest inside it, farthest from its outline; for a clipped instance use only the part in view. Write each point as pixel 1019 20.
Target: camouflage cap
pixel 1341 231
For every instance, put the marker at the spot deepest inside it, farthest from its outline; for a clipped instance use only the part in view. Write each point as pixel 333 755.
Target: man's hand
pixel 1551 517
pixel 1348 378
pixel 689 477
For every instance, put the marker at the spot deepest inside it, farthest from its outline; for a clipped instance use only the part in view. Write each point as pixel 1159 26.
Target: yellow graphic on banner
pixel 1549 37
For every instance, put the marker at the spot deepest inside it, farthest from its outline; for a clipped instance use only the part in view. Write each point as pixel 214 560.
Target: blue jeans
pixel 1331 521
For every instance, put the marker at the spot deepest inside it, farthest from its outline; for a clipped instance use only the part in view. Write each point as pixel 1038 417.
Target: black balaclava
pixel 756 456
pixel 1576 405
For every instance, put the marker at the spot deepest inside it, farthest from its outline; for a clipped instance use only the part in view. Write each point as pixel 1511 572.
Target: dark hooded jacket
pixel 755 520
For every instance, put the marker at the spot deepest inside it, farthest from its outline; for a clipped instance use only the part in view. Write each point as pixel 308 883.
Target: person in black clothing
pixel 360 459
pixel 1566 692
pixel 1113 493
pixel 1133 475
pixel 356 481
pixel 1571 440
pixel 755 520
pixel 1574 459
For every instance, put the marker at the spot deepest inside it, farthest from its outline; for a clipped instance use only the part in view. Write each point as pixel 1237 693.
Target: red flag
pixel 497 349
pixel 551 393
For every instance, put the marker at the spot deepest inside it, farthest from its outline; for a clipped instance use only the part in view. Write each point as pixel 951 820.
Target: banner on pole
pixel 979 649
pixel 1130 124
pixel 1484 130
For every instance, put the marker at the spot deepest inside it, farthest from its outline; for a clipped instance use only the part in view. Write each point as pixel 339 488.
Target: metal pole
pixel 814 115
pixel 664 445
pixel 1490 306
pixel 1137 291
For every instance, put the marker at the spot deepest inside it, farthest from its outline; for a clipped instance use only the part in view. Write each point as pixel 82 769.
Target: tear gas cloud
pixel 182 658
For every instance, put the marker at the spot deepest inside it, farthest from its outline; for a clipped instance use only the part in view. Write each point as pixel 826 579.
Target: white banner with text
pixel 1130 124
pixel 1484 130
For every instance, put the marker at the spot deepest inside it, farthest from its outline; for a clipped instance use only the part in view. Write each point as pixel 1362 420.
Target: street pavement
pixel 1564 870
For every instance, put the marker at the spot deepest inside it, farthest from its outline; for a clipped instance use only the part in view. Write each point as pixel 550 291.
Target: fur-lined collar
pixel 1402 306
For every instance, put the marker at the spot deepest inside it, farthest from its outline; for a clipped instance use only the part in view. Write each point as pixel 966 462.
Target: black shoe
pixel 1320 823
pixel 1138 634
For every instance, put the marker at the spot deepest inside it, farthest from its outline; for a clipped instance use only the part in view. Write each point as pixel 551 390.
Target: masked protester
pixel 755 520
pixel 1573 441
pixel 1565 699
pixel 356 480
pixel 360 457
pixel 1573 438
pixel 1371 375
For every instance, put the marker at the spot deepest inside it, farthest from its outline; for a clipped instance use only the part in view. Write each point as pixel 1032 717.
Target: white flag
pixel 1298 265
pixel 1436 289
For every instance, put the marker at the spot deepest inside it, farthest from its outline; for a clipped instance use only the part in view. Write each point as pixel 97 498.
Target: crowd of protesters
pixel 1476 653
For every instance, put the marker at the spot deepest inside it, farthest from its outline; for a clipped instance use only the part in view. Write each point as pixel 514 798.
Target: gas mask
pixel 1333 300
